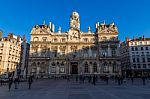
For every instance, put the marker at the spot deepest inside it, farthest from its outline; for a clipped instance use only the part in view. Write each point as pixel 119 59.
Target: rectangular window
pixel 139 66
pixel 148 59
pixel 134 66
pixel 133 59
pixel 138 60
pixel 132 48
pixel 142 48
pixel 143 59
pixel 113 52
pixel 144 66
pixel 140 43
pixel 136 48
pixel 149 66
pixel 146 48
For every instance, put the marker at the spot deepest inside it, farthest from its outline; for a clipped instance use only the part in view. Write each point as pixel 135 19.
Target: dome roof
pixel 75 13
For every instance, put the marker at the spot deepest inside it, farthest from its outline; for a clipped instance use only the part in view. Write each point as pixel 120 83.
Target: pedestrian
pixel 76 78
pixel 68 78
pixel 30 81
pixel 132 80
pixel 16 82
pixel 119 80
pixel 143 78
pixel 94 80
pixel 83 78
pixel 10 82
pixel 80 78
pixel 89 79
pixel 107 80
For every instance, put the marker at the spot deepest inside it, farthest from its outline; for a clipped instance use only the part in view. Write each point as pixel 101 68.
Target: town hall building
pixel 74 51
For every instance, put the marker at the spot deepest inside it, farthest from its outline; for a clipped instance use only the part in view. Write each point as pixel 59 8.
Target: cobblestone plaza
pixel 61 89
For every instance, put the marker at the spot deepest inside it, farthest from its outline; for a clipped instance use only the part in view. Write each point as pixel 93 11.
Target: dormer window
pixel 85 39
pixel 55 40
pixel 44 39
pixel 35 39
pixel 63 40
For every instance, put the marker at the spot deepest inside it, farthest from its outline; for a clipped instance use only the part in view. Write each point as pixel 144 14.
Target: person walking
pixel 119 80
pixel 94 80
pixel 16 82
pixel 76 78
pixel 143 79
pixel 132 80
pixel 107 78
pixel 89 79
pixel 30 81
pixel 10 83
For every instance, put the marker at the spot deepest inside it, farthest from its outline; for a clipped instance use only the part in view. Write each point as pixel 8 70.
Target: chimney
pixel 53 27
pixel 18 38
pixel 143 38
pixel 10 36
pixel 127 39
pixel 59 29
pixel 89 29
pixel 96 25
pixel 50 25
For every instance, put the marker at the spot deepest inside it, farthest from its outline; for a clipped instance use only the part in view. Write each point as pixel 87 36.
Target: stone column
pixel 90 52
pixel 91 68
pixel 109 51
pixel 49 68
pixel 100 69
pixel 110 68
pixel 58 51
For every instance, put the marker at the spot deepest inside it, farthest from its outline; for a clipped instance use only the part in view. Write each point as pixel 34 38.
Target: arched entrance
pixel 74 67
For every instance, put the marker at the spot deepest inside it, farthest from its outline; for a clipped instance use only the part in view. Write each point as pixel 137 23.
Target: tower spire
pixel 44 22
pixel 104 22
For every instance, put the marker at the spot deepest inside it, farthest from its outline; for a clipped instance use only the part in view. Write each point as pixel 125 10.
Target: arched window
pixel 62 64
pixel 43 63
pixel 95 67
pixel 53 63
pixel 93 39
pixel 86 69
pixel 85 39
pixel 114 68
pixel 38 63
pixel 63 40
pixel 44 39
pixel 35 39
pixel 33 64
pixel 113 38
pixel 104 38
pixel 105 67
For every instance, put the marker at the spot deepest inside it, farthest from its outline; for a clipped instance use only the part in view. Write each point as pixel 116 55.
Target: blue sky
pixel 132 17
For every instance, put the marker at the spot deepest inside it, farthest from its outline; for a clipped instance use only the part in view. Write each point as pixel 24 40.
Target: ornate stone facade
pixel 74 52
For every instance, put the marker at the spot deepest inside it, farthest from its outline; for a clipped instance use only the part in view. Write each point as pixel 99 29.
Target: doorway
pixel 74 67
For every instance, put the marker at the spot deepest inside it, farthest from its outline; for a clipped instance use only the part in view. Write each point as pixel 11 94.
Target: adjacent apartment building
pixel 10 50
pixel 13 55
pixel 135 56
pixel 74 51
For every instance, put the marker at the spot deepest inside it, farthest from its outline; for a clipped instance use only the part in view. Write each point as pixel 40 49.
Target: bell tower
pixel 74 21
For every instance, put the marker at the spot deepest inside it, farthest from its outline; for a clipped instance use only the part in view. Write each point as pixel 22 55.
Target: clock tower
pixel 74 21
pixel 74 31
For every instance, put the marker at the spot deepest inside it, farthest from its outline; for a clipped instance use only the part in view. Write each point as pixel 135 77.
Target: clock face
pixel 74 36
